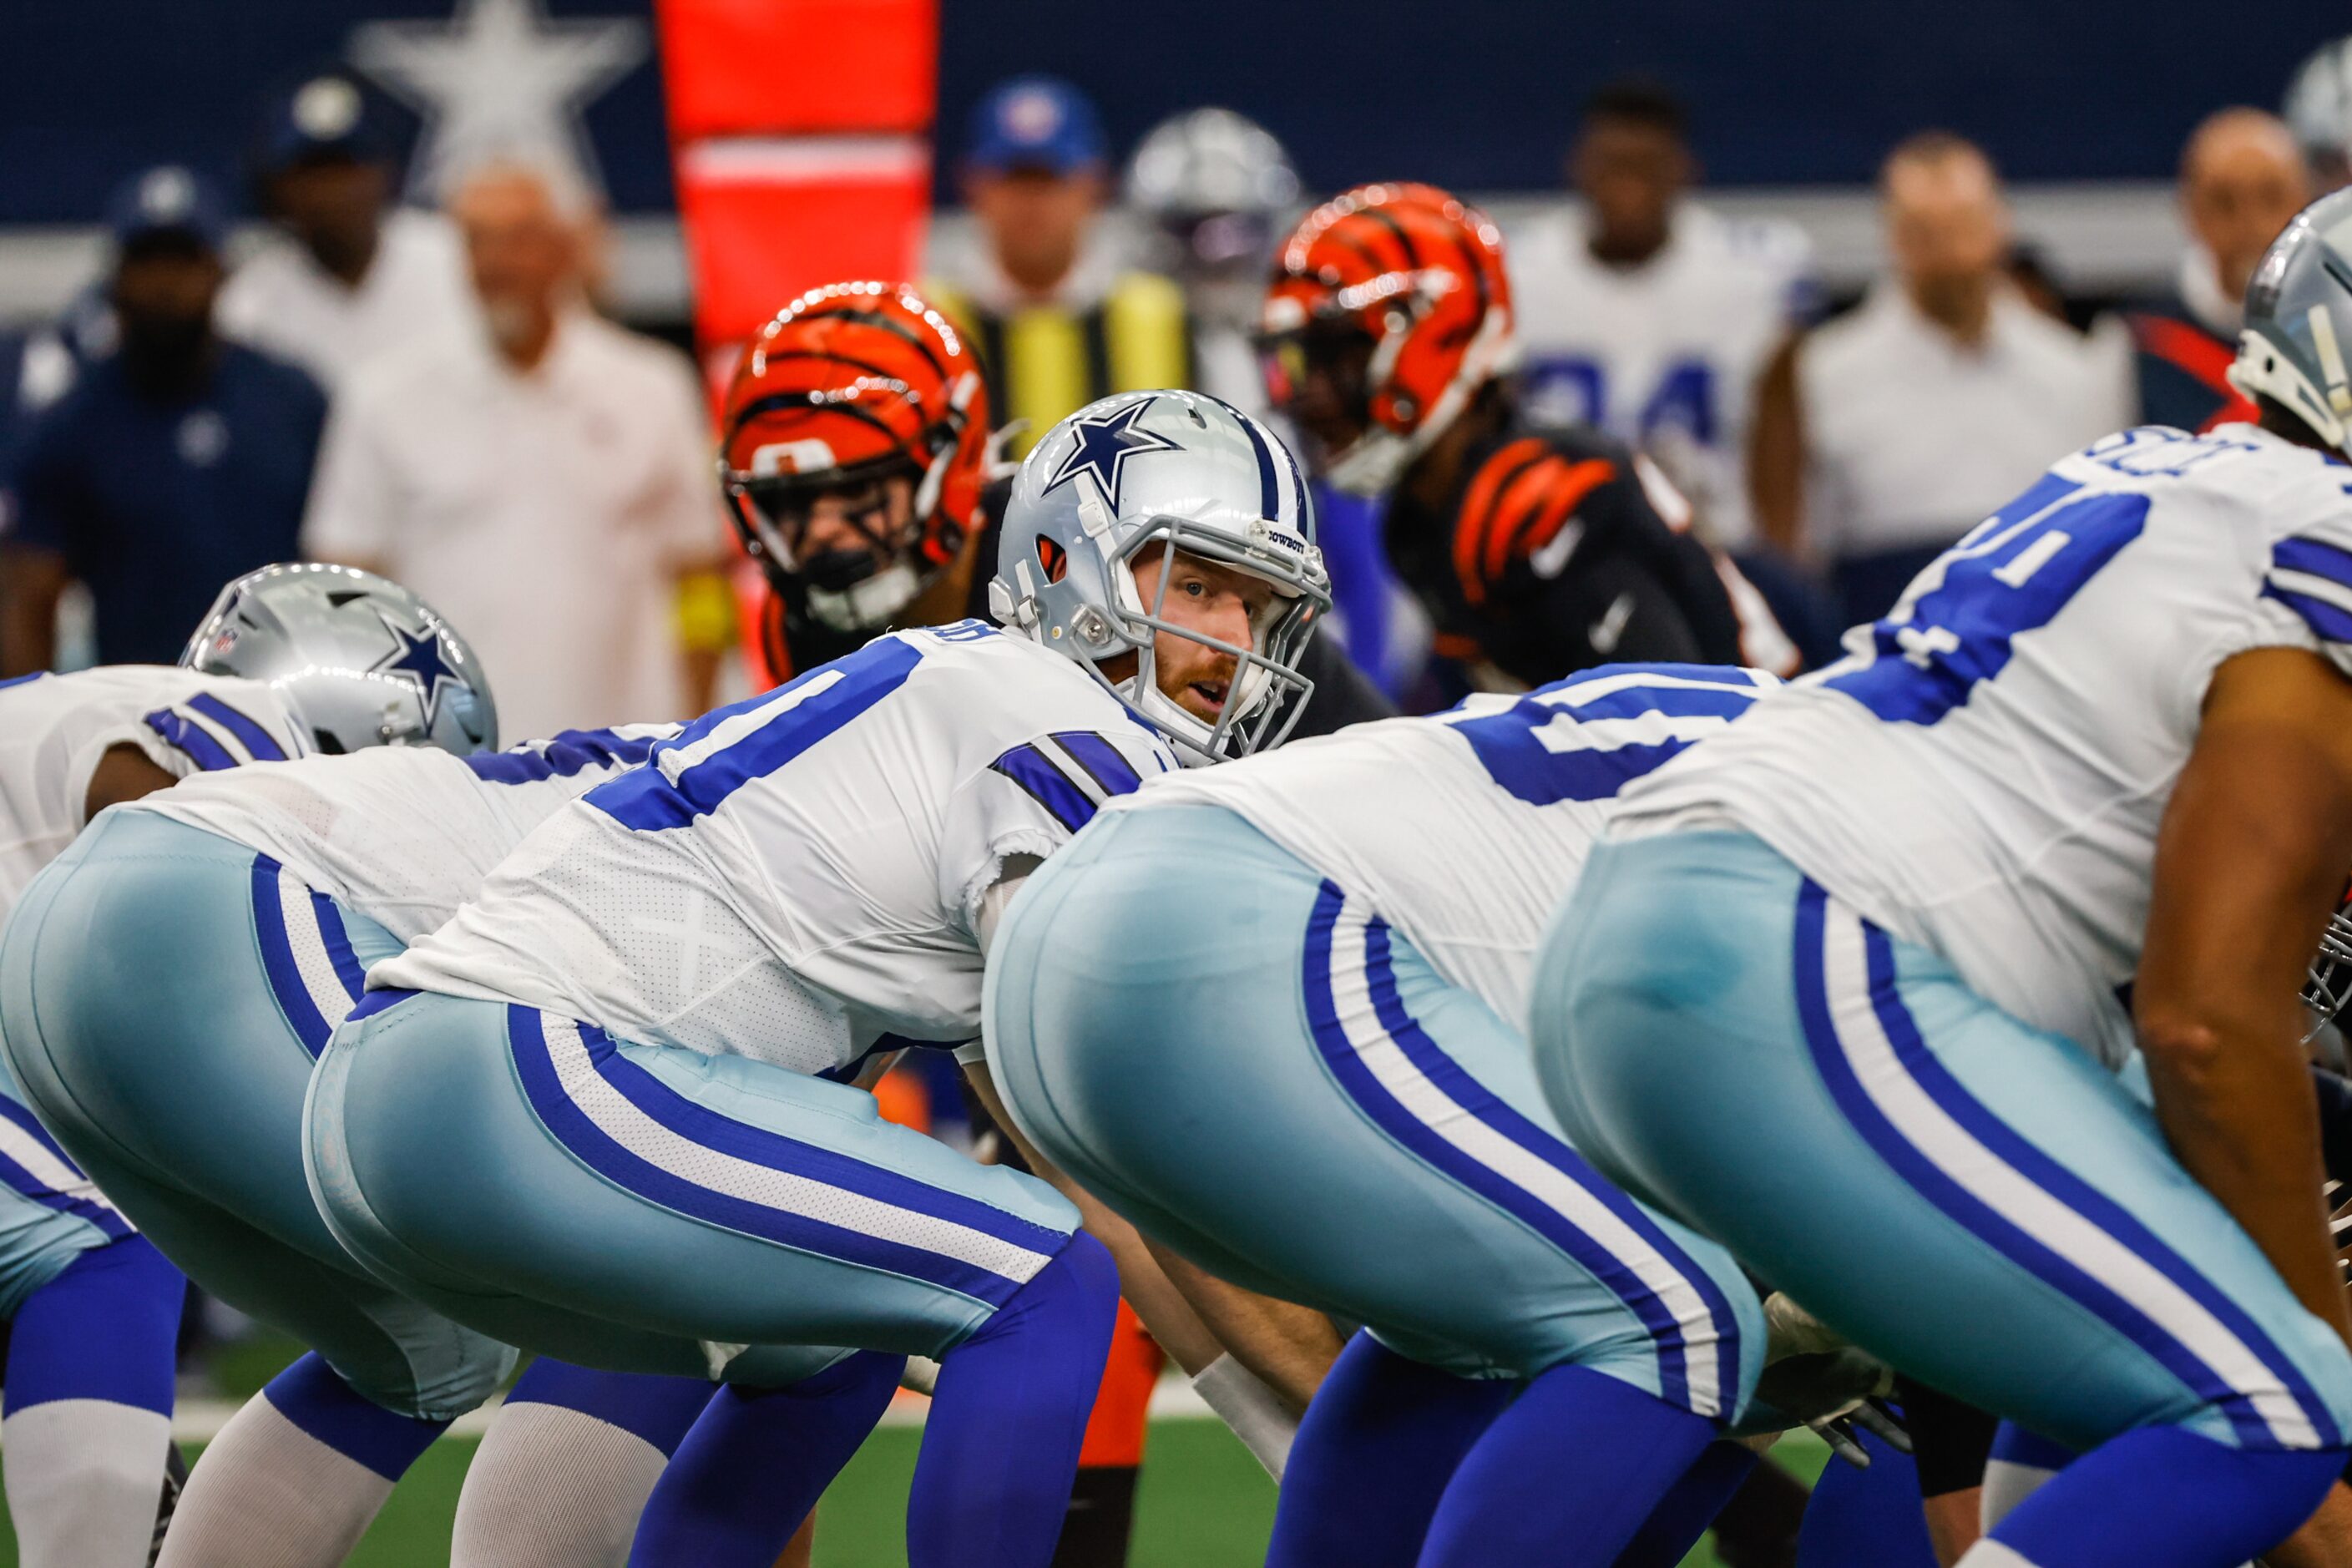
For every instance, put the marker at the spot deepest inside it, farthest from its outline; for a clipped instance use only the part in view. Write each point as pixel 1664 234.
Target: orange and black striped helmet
pixel 1420 274
pixel 853 382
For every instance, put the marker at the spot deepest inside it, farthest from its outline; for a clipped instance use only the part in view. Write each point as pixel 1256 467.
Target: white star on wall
pixel 500 80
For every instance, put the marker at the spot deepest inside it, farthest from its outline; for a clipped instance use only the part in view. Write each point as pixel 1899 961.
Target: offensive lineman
pixel 93 1309
pixel 1537 549
pixel 185 1101
pixel 1268 1013
pixel 1846 987
pixel 624 1044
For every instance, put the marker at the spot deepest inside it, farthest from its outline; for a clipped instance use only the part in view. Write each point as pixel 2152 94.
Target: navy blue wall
pixel 2059 88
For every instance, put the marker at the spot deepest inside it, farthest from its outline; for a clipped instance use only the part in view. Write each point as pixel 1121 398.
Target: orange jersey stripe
pixel 1477 511
pixel 1565 489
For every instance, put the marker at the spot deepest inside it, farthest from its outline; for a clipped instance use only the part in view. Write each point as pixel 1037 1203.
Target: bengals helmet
pixel 1396 294
pixel 850 386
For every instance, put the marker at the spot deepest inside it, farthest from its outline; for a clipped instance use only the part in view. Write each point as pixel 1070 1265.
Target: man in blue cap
pixel 1056 323
pixel 175 464
pixel 349 274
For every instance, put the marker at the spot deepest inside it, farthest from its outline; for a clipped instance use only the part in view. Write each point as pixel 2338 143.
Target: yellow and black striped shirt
pixel 1045 362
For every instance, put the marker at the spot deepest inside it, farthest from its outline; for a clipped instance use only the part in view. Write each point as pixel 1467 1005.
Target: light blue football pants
pixel 1972 1199
pixel 1251 1064
pixel 652 1208
pixel 164 993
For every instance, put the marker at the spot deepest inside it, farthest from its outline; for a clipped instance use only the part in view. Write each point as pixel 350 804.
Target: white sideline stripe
pixel 1437 1111
pixel 200 1420
pixel 735 726
pixel 1926 1127
pixel 789 159
pixel 717 1172
pixel 45 1168
pixel 309 943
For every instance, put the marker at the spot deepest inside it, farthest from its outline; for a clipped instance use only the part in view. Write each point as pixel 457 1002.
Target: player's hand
pixel 1817 1378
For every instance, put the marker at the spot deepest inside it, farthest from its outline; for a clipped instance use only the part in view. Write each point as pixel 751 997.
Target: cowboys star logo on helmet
pixel 1104 446
pixel 416 658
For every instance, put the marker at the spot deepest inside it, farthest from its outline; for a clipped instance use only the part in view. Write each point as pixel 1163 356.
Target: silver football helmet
pixel 2298 323
pixel 1190 473
pixel 1217 187
pixel 2318 109
pixel 359 661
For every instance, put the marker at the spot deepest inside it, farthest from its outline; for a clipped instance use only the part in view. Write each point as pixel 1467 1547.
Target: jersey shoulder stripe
pixel 2315 580
pixel 1070 772
pixel 1517 502
pixel 258 743
pixel 191 740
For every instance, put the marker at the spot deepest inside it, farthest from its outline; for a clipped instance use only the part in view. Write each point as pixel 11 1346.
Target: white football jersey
pixel 797 876
pixel 402 834
pixel 1984 773
pixel 1467 829
pixel 54 728
pixel 1663 355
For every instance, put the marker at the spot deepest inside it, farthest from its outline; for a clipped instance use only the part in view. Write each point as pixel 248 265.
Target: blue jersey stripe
pixel 1101 760
pixel 1047 784
pixel 2328 623
pixel 2314 559
pixel 258 743
pixel 564 755
pixel 285 977
pixel 191 740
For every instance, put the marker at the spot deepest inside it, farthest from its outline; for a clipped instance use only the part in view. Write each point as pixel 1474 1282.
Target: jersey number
pixel 729 747
pixel 1574 388
pixel 1587 738
pixel 1957 622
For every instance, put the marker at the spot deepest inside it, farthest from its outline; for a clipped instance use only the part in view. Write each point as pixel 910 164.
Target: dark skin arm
pixel 125 773
pixel 1776 454
pixel 32 580
pixel 2249 861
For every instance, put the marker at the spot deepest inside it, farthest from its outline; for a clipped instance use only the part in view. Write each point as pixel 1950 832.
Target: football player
pixel 913 540
pixel 1537 549
pixel 627 1050
pixel 1647 314
pixel 171 1057
pixel 1268 1013
pixel 94 1309
pixel 1847 987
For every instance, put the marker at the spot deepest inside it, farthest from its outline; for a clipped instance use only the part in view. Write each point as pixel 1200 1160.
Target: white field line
pixel 200 1420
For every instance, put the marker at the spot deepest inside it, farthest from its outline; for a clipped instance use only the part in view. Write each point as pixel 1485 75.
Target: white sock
pixel 554 1487
pixel 83 1477
pixel 1993 1554
pixel 2007 1483
pixel 267 1494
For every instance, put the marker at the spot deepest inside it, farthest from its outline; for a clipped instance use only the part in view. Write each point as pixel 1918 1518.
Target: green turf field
pixel 1204 1502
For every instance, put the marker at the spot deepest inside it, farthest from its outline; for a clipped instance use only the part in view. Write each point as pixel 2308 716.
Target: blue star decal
pixel 418 658
pixel 1104 446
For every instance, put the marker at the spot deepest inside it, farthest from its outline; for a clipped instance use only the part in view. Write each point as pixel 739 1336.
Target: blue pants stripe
pixel 1399 1122
pixel 1966 1208
pixel 579 1133
pixel 24 1184
pixel 278 960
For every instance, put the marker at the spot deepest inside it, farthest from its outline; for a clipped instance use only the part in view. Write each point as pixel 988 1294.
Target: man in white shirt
pixel 547 477
pixel 1650 316
pixel 348 276
pixel 1883 436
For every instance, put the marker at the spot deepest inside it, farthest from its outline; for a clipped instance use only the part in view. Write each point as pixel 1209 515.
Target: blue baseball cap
pixel 330 115
pixel 1035 123
pixel 170 198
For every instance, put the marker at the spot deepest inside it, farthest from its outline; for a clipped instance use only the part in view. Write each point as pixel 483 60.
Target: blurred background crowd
pixel 391 318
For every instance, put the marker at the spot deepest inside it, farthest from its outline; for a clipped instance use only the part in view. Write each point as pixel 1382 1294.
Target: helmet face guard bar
pixel 1267 692
pixel 2327 982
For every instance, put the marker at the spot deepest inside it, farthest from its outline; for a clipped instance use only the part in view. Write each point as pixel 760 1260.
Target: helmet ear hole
pixel 1053 558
